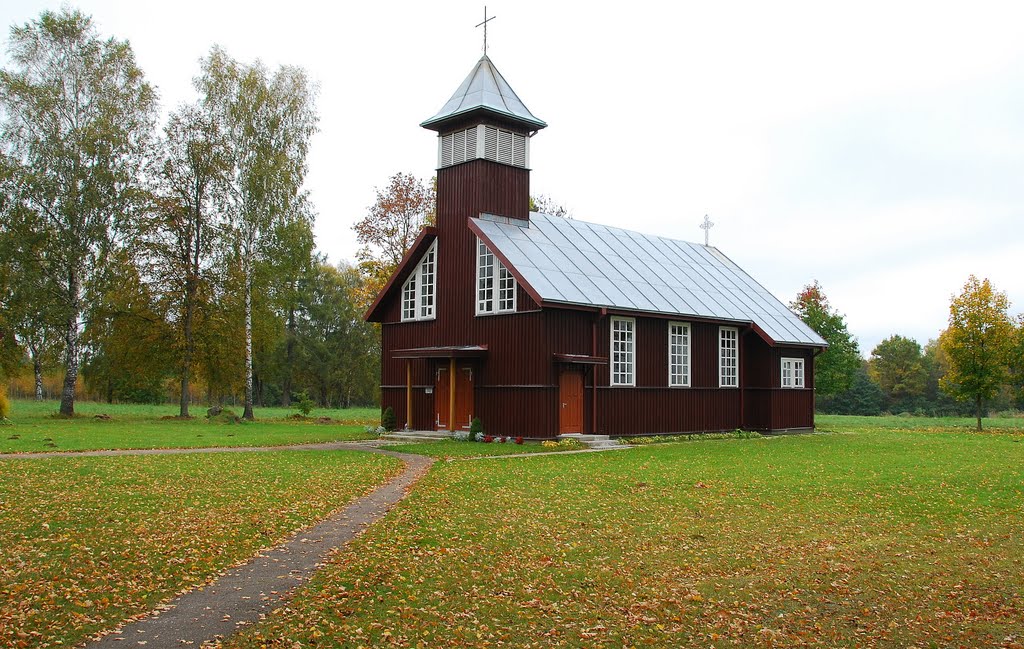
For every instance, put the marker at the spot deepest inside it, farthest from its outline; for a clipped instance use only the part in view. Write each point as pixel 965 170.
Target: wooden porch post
pixel 408 395
pixel 451 394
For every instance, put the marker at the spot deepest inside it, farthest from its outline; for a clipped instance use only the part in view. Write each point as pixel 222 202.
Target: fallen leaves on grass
pixel 861 540
pixel 88 542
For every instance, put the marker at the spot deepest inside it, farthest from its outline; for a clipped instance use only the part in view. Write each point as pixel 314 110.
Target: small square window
pixel 792 373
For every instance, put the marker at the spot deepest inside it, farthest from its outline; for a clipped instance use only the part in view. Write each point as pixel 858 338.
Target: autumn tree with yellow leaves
pixel 402 209
pixel 978 344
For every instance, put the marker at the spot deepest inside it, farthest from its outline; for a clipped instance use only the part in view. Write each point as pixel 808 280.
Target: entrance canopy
pixel 456 351
pixel 581 359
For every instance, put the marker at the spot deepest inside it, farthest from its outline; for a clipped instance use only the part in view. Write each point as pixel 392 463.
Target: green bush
pixel 692 437
pixel 476 426
pixel 223 416
pixel 5 405
pixel 388 420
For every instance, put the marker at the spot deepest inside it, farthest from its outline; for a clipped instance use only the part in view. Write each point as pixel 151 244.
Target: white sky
pixel 877 147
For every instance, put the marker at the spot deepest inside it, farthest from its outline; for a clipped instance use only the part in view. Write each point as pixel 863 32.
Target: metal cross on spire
pixel 706 226
pixel 484 23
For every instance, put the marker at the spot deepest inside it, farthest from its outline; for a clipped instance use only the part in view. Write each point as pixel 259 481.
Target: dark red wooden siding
pixel 516 382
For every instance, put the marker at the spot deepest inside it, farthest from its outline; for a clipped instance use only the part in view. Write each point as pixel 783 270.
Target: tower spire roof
pixel 484 91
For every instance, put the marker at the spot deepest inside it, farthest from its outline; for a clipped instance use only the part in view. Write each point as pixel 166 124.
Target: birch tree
pixel 267 120
pixel 76 116
pixel 180 235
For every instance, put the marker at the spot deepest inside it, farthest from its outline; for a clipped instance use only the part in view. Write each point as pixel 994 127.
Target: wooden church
pixel 541 325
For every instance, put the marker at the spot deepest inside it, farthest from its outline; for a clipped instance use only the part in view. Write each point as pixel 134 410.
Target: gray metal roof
pixel 575 262
pixel 485 89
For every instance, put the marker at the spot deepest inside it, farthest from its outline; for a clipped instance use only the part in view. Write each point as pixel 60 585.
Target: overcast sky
pixel 875 147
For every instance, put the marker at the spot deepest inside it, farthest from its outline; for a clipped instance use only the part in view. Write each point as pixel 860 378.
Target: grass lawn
pixel 144 426
pixel 865 539
pixel 850 423
pixel 88 542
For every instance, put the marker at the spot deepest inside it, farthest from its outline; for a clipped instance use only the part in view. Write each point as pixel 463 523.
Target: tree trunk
pixel 977 403
pixel 67 395
pixel 289 359
pixel 37 367
pixel 186 360
pixel 257 389
pixel 247 413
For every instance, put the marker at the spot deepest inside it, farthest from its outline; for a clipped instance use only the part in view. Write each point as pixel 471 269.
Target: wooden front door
pixel 463 398
pixel 441 398
pixel 570 398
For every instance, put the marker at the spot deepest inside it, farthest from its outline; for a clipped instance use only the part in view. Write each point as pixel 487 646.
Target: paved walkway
pixel 240 596
pixel 366 445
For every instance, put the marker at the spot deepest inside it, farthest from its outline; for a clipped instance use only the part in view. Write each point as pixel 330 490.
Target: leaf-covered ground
pixel 869 539
pixel 35 428
pixel 88 542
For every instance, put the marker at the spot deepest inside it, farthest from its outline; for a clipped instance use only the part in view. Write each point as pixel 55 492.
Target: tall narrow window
pixel 678 354
pixel 623 351
pixel 728 357
pixel 495 284
pixel 792 372
pixel 426 284
pixel 409 298
pixel 418 292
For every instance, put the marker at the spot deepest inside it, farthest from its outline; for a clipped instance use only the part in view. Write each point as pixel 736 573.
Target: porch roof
pixel 581 359
pixel 450 351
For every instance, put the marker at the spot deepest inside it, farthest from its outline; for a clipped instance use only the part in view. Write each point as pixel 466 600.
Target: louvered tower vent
pixel 484 142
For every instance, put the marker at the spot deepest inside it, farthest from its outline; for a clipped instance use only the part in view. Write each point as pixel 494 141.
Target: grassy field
pixel 143 426
pixel 863 539
pixel 88 542
pixel 850 423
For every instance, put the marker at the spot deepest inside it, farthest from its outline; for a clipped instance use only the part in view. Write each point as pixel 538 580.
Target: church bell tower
pixel 483 151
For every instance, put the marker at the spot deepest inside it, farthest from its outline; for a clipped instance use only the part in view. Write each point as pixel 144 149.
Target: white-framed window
pixel 728 357
pixel 495 284
pixel 792 372
pixel 419 291
pixel 623 346
pixel 679 354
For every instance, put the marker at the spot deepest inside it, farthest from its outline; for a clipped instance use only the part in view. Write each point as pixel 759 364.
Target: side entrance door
pixel 570 400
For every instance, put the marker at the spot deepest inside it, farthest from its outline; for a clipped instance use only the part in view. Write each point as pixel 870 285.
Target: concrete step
pixel 417 435
pixel 594 441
